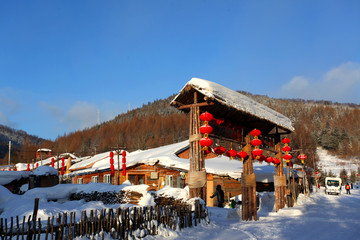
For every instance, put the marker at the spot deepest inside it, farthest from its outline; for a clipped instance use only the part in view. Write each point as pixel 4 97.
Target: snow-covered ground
pixel 329 162
pixel 319 216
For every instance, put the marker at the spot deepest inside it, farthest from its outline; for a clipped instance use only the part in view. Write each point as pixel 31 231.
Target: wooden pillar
pixel 248 185
pixel 279 178
pixel 197 163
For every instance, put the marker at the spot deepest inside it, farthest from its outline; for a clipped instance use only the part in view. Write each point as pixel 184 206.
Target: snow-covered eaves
pixel 165 156
pixel 233 100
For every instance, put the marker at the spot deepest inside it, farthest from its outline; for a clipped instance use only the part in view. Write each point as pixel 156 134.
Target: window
pixel 136 179
pixel 80 181
pixel 107 178
pixel 169 180
pixel 94 179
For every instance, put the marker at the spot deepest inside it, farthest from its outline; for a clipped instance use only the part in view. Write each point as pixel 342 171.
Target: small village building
pixel 43 176
pixel 169 165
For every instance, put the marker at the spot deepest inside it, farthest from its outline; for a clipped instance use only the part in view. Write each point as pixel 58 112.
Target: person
pixel 219 194
pixel 347 187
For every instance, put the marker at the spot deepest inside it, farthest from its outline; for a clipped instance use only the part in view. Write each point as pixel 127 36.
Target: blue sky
pixel 63 62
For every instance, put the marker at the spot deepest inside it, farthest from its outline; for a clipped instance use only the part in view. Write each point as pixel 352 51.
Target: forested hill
pixel 318 123
pixel 17 138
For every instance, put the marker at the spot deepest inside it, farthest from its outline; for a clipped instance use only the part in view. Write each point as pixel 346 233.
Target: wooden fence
pixel 119 224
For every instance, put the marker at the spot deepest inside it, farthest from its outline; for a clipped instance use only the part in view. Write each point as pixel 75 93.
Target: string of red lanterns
pixel 256 142
pixel 286 149
pixel 112 164
pixel 206 129
pixel 124 163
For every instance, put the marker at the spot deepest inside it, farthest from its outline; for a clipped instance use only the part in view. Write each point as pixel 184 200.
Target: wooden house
pixel 169 165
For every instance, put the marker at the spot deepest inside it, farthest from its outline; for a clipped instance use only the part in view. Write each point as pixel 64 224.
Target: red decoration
pixel 285 140
pixel 269 160
pixel 231 153
pixel 345 176
pixel 255 132
pixel 262 158
pixel 206 117
pixel 206 129
pixel 257 153
pixel 28 167
pixel 302 157
pixel 37 165
pixel 112 170
pixel 219 150
pixel 111 154
pixel 286 149
pixel 276 161
pixel 287 157
pixel 206 142
pixel 124 163
pixel 52 162
pixel 62 165
pixel 256 142
pixel 15 169
pixel 124 169
pixel 242 154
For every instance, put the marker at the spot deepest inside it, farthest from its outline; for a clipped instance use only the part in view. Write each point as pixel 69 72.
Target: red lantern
pixel 262 158
pixel 256 142
pixel 206 117
pixel 276 161
pixel 269 159
pixel 287 157
pixel 206 129
pixel 62 165
pixel 124 169
pixel 257 153
pixel 285 140
pixel 219 150
pixel 15 169
pixel 255 132
pixel 345 176
pixel 111 154
pixel 28 167
pixel 52 162
pixel 112 170
pixel 231 153
pixel 242 154
pixel 206 142
pixel 37 165
pixel 123 153
pixel 302 157
pixel 286 149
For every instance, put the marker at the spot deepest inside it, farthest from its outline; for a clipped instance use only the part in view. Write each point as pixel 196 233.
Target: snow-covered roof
pixel 237 101
pixel 9 176
pixel 166 156
pixel 45 171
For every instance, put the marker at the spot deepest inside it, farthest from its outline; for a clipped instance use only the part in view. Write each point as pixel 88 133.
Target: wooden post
pixel 196 156
pixel 279 178
pixel 248 185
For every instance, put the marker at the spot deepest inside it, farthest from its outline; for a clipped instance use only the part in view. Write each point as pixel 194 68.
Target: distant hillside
pixel 333 126
pixel 17 138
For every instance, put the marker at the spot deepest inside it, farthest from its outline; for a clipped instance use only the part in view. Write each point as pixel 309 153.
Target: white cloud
pixel 340 84
pixel 4 119
pixel 81 115
pixel 53 110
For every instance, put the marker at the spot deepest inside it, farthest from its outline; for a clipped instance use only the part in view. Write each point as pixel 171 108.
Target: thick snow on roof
pixel 166 156
pixel 9 176
pixel 45 171
pixel 238 101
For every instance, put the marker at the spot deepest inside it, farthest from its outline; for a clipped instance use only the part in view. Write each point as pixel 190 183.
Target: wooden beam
pixel 196 105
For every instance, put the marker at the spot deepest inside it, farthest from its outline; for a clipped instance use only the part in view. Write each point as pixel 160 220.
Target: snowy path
pixel 318 217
